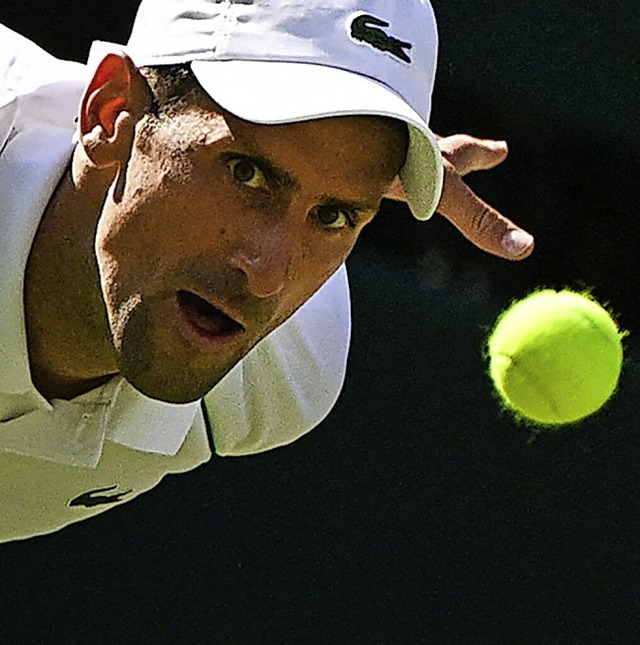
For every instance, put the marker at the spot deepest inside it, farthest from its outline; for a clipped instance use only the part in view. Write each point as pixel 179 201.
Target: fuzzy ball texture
pixel 555 357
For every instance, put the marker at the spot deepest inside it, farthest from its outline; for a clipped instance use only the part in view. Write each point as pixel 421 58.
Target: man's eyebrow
pixel 284 179
pixel 277 174
pixel 349 205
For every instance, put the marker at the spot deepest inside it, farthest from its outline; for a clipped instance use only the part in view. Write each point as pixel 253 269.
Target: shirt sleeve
pixel 42 88
pixel 290 381
pixel 8 103
pixel 8 109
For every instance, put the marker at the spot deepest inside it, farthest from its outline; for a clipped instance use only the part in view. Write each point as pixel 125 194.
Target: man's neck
pixel 70 349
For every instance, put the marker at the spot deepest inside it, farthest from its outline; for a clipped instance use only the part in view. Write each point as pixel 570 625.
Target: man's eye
pixel 334 218
pixel 247 172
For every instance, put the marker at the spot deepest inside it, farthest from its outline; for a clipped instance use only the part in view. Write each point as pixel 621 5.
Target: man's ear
pixel 114 101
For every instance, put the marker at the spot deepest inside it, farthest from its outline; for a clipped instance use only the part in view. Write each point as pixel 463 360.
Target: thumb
pixel 469 154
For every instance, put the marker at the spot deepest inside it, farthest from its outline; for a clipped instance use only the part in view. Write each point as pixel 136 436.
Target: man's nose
pixel 265 261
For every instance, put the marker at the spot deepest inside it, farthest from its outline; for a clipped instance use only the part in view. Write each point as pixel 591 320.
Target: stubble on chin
pixel 148 365
pixel 120 319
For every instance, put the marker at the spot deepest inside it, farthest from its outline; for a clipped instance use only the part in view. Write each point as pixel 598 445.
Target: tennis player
pixel 175 219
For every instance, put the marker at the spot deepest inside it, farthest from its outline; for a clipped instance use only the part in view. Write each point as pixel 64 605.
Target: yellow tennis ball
pixel 555 357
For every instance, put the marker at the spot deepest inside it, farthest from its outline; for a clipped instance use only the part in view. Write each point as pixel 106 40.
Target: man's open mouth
pixel 205 319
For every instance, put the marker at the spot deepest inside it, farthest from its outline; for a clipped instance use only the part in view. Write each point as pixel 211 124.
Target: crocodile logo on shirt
pixel 365 29
pixel 92 498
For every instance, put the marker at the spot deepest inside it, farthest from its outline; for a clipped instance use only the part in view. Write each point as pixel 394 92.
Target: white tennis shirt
pixel 62 461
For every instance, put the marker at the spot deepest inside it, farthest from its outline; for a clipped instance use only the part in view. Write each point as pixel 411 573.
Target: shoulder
pixel 24 66
pixel 36 87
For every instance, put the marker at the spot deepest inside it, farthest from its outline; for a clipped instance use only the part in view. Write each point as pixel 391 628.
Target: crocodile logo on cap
pixel 365 29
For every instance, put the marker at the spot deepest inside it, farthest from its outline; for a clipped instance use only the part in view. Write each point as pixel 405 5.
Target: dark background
pixel 417 512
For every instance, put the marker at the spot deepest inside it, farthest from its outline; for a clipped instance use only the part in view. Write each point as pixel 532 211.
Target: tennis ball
pixel 555 357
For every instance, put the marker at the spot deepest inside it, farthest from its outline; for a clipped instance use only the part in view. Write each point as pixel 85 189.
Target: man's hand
pixel 475 219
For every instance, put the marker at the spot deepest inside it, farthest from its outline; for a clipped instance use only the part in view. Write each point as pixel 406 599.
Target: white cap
pixel 283 61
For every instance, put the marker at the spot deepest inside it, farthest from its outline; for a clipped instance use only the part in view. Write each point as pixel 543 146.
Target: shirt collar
pixel 73 432
pixel 141 423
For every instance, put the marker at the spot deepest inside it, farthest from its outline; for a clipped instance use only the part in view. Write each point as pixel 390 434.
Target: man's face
pixel 221 229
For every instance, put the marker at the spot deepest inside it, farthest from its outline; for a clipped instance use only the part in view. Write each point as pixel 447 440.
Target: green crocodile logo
pixel 365 29
pixel 91 498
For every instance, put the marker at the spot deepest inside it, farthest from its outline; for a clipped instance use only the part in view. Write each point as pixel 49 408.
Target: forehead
pixel 370 136
pixel 374 144
pixel 325 131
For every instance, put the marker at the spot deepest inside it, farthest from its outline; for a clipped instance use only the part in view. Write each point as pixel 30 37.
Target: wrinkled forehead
pixel 364 135
pixel 202 118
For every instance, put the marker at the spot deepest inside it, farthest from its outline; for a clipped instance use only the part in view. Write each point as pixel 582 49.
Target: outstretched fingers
pixel 479 222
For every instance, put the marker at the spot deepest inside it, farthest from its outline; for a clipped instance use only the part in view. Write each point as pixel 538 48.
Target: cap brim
pixel 275 92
